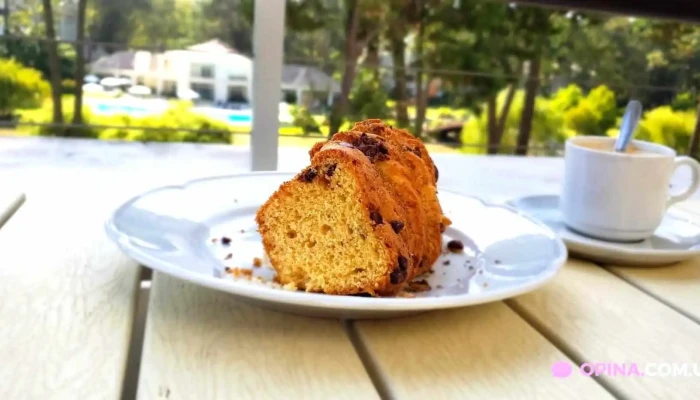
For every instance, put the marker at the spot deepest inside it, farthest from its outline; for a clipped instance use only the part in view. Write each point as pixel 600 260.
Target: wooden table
pixel 79 320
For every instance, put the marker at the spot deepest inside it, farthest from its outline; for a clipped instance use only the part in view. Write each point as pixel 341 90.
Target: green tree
pixel 363 21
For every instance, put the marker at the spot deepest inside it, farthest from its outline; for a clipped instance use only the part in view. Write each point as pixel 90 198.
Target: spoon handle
pixel 629 125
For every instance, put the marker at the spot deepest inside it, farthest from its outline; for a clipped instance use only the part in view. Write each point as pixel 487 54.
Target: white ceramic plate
pixel 172 230
pixel 677 239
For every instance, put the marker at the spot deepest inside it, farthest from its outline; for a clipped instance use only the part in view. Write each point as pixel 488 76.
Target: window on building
pixel 237 94
pixel 203 70
pixel 205 91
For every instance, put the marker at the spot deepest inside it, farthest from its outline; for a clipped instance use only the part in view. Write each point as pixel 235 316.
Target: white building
pixel 213 70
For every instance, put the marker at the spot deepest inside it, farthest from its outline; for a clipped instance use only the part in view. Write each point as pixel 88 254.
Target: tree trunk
pixel 695 139
pixel 531 87
pixel 503 116
pixel 54 69
pixel 398 51
pixel 79 64
pixel 421 98
pixel 492 134
pixel 372 59
pixel 349 69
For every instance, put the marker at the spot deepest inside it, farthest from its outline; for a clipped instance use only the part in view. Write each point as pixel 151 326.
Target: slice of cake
pixel 362 218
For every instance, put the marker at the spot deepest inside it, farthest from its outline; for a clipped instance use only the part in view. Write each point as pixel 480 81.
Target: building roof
pixel 119 60
pixel 308 77
pixel 213 46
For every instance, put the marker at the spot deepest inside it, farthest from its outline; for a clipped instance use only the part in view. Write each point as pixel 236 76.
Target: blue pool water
pixel 121 108
pixel 238 118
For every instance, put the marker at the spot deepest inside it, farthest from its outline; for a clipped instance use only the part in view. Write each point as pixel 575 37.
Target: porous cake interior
pixel 321 238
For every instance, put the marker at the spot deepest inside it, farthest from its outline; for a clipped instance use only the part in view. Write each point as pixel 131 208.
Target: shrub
pixel 547 125
pixel 180 116
pixel 367 98
pixel 20 87
pixel 304 120
pixel 664 126
pixel 684 101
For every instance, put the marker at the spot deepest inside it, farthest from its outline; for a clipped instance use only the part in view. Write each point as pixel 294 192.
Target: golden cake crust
pixel 396 181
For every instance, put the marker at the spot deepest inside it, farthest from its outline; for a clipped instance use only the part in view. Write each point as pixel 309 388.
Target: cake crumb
pixel 290 286
pixel 471 268
pixel 214 240
pixel 257 262
pixel 406 294
pixel 486 284
pixel 439 286
pixel 228 256
pixel 418 286
pixel 225 240
pixel 239 272
pixel 481 271
pixel 446 262
pixel 455 246
pixel 242 230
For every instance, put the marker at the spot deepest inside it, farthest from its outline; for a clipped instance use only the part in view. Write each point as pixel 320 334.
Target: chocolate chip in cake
pixel 225 240
pixel 375 216
pixel 331 170
pixel 397 226
pixel 371 147
pixel 397 276
pixel 308 175
pixel 455 246
pixel 403 263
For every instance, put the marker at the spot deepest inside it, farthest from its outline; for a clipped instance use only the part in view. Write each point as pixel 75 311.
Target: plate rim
pixel 320 300
pixel 616 248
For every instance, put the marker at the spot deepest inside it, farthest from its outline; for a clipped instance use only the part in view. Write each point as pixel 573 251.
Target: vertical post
pixel 268 35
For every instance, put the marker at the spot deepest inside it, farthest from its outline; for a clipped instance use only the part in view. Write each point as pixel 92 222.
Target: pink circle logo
pixel 561 369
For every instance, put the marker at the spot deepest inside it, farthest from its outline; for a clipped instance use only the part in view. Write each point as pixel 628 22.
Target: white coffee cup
pixel 620 196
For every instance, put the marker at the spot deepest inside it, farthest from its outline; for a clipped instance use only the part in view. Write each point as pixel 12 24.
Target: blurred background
pixel 471 76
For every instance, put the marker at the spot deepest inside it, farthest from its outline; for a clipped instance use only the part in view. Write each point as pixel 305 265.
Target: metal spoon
pixel 629 125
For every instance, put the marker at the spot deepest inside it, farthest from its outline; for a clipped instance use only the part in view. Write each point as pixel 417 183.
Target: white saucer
pixel 178 230
pixel 677 239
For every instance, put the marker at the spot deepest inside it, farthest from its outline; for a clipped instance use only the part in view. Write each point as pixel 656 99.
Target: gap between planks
pixel 138 328
pixel 372 367
pixel 651 294
pixel 561 345
pixel 9 207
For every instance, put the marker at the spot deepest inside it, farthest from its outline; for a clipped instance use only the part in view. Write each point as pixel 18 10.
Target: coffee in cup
pixel 620 196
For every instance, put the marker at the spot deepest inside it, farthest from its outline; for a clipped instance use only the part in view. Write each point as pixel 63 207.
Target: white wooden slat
pixel 603 319
pixel 205 344
pixel 268 36
pixel 481 352
pixel 67 298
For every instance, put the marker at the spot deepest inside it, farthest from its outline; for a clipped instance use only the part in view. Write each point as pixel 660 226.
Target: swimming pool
pixel 120 109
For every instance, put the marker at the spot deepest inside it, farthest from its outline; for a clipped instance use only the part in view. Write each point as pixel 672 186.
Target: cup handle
pixel 694 180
